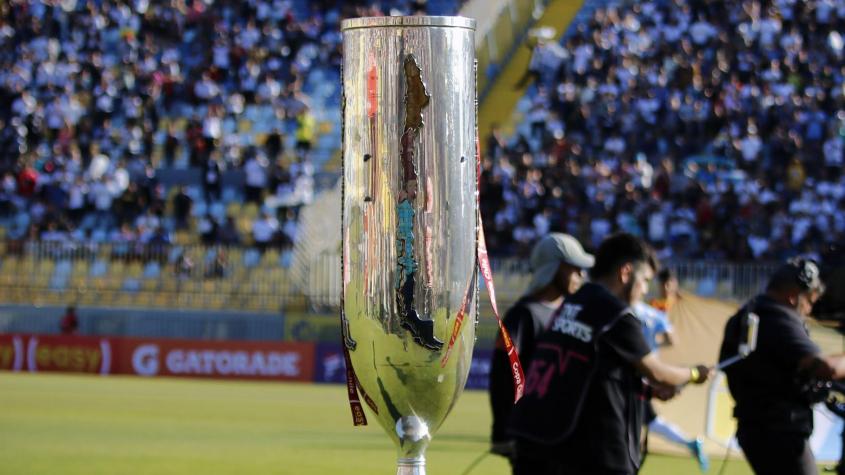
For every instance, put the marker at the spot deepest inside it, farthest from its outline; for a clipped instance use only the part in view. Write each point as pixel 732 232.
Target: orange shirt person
pixel 668 291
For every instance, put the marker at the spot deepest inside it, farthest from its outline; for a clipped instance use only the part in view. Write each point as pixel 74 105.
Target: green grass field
pixel 60 424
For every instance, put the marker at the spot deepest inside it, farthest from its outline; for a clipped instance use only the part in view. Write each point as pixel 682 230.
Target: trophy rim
pixel 408 21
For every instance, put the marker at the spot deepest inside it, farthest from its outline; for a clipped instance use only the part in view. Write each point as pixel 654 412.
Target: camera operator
pixel 770 386
pixel 582 411
pixel 559 265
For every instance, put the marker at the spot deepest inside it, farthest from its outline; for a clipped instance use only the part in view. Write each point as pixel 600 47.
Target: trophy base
pixel 414 466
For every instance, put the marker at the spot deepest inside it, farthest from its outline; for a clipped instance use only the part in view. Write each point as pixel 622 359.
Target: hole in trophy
pixel 367 156
pixel 463 159
pixel 367 199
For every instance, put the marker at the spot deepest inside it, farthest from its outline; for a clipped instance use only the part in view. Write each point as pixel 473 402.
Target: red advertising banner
pixel 216 359
pixel 158 357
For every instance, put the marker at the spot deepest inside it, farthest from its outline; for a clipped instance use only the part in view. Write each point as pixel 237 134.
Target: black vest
pixel 768 395
pixel 567 359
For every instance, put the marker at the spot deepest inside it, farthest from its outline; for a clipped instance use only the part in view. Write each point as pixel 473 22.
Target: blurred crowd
pixel 713 129
pixel 98 96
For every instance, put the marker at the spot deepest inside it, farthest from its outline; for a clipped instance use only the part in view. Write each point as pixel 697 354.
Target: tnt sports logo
pixel 150 360
pixel 567 324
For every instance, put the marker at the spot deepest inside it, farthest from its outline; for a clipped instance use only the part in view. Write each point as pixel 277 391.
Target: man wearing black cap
pixel 558 262
pixel 773 406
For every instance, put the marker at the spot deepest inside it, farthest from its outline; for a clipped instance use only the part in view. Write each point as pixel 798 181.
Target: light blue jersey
pixel 654 323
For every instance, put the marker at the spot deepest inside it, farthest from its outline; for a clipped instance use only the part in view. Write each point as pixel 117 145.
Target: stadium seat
pixel 160 299
pixel 81 268
pixel 117 268
pixel 251 258
pixel 99 268
pixel 152 270
pixel 150 285
pixel 144 298
pixel 122 299
pixel 10 265
pixel 135 270
pixel 270 258
pixel 131 284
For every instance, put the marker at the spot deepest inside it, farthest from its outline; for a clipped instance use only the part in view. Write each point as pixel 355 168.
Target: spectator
pixel 256 178
pixel 305 131
pixel 228 233
pixel 212 177
pixel 96 91
pixel 653 123
pixel 219 265
pixel 264 231
pixel 184 267
pixel 182 204
pixel 70 322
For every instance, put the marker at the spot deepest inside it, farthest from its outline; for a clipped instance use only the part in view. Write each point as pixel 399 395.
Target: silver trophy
pixel 409 301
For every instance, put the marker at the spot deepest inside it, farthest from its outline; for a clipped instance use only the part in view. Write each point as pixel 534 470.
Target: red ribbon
pixel 459 321
pixel 487 273
pixel 358 416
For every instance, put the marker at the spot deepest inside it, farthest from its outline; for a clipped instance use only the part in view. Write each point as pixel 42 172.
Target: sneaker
pixel 695 446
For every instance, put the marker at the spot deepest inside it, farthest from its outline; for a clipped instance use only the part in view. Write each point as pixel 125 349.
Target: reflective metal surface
pixel 409 220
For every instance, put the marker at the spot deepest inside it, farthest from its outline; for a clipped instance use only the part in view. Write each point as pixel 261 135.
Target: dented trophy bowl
pixel 409 301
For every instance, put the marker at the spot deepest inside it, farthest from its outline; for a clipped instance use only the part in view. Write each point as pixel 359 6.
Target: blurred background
pixel 169 169
pixel 185 154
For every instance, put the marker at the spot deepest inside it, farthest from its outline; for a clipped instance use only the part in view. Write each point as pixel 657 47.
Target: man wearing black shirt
pixel 773 409
pixel 582 411
pixel 558 264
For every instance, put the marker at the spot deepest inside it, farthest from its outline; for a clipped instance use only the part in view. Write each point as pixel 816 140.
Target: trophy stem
pixel 411 466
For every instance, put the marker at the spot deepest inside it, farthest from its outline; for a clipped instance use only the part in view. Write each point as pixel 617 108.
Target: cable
pixel 727 454
pixel 475 462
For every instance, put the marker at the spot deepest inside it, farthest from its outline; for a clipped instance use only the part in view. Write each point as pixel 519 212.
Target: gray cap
pixel 549 253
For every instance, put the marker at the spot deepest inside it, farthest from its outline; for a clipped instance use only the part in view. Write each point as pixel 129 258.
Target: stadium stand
pixel 160 153
pixel 714 129
pixel 133 133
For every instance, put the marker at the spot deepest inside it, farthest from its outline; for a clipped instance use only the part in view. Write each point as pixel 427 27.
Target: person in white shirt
pixel 701 32
pixel 833 160
pixel 102 197
pixel 256 177
pixel 264 231
pixel 77 194
pixel 750 146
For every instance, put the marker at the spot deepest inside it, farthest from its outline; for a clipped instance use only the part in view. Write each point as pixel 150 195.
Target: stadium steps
pixel 503 96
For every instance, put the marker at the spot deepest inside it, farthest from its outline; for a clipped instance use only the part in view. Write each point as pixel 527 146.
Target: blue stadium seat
pixel 99 268
pixel 152 270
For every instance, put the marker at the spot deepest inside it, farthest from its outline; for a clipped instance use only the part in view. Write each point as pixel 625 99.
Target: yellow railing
pixel 132 275
pixel 242 278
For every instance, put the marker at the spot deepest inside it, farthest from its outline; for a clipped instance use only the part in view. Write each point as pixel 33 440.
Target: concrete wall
pixel 205 325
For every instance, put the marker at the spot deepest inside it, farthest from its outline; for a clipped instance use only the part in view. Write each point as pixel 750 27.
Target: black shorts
pixel 776 453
